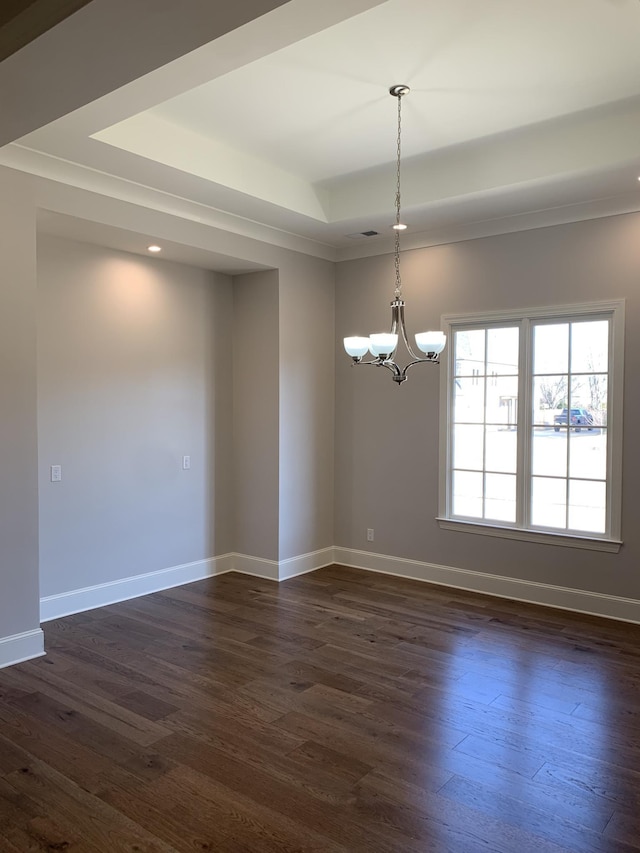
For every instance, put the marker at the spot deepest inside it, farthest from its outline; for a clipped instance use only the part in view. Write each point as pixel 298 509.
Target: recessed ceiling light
pixel 154 248
pixel 399 226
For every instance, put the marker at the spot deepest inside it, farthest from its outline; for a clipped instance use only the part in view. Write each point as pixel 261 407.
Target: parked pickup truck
pixel 579 418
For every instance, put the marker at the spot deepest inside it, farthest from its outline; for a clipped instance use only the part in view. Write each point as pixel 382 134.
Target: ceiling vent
pixel 362 234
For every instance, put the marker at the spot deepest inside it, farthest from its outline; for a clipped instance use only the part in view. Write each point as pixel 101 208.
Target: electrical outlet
pixel 370 534
pixel 186 463
pixel 56 473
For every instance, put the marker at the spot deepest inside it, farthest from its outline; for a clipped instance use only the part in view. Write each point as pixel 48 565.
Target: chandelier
pixel 383 346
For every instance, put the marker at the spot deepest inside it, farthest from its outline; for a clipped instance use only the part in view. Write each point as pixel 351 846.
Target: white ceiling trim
pixel 151 136
pixel 108 191
pixel 109 186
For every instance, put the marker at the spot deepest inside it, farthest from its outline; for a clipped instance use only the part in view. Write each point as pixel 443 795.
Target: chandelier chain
pixel 398 291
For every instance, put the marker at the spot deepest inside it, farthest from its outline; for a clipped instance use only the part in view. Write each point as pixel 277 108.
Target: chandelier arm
pixel 403 331
pixel 396 305
pixel 434 360
pixel 408 346
pixel 376 362
pixel 388 363
pixel 398 325
pixel 393 367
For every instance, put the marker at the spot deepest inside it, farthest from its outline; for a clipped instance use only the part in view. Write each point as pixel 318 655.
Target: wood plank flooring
pixel 339 711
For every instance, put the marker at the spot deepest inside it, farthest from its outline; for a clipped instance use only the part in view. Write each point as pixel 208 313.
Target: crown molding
pixel 49 167
pixel 58 170
pixel 527 221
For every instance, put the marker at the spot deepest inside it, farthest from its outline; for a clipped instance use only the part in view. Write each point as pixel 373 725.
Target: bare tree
pixel 597 386
pixel 598 397
pixel 553 393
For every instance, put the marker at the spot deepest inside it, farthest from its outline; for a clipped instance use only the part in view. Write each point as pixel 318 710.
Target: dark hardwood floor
pixel 338 711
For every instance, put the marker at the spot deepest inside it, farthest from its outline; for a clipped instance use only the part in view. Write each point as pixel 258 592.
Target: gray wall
pixel 283 377
pixel 307 381
pixel 19 608
pixel 142 361
pixel 387 436
pixel 134 368
pixel 256 413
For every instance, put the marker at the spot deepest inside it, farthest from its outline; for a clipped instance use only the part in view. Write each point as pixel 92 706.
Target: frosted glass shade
pixel 431 341
pixel 356 347
pixel 382 344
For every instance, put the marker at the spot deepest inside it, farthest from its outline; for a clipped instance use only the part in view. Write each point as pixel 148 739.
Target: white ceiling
pixel 319 109
pixel 521 113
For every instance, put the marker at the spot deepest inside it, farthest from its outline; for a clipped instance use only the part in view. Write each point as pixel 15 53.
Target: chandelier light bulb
pixel 356 347
pixel 431 342
pixel 383 345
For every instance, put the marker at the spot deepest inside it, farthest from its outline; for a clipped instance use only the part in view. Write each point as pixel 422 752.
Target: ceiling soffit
pixel 512 112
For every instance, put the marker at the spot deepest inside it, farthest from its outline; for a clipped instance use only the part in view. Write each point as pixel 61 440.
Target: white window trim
pixel 449 323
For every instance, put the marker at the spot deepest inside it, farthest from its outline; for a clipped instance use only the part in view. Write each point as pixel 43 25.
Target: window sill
pixel 565 540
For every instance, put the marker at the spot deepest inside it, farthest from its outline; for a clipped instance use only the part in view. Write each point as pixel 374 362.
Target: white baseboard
pixel 100 595
pixel 76 601
pixel 21 647
pixel 564 598
pixel 256 566
pixel 304 563
pixel 284 569
pixel 79 600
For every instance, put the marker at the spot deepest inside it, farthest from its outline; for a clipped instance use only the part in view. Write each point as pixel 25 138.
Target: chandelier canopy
pixel 383 346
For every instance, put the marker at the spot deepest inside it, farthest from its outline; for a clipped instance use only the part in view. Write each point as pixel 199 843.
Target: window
pixel 531 432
